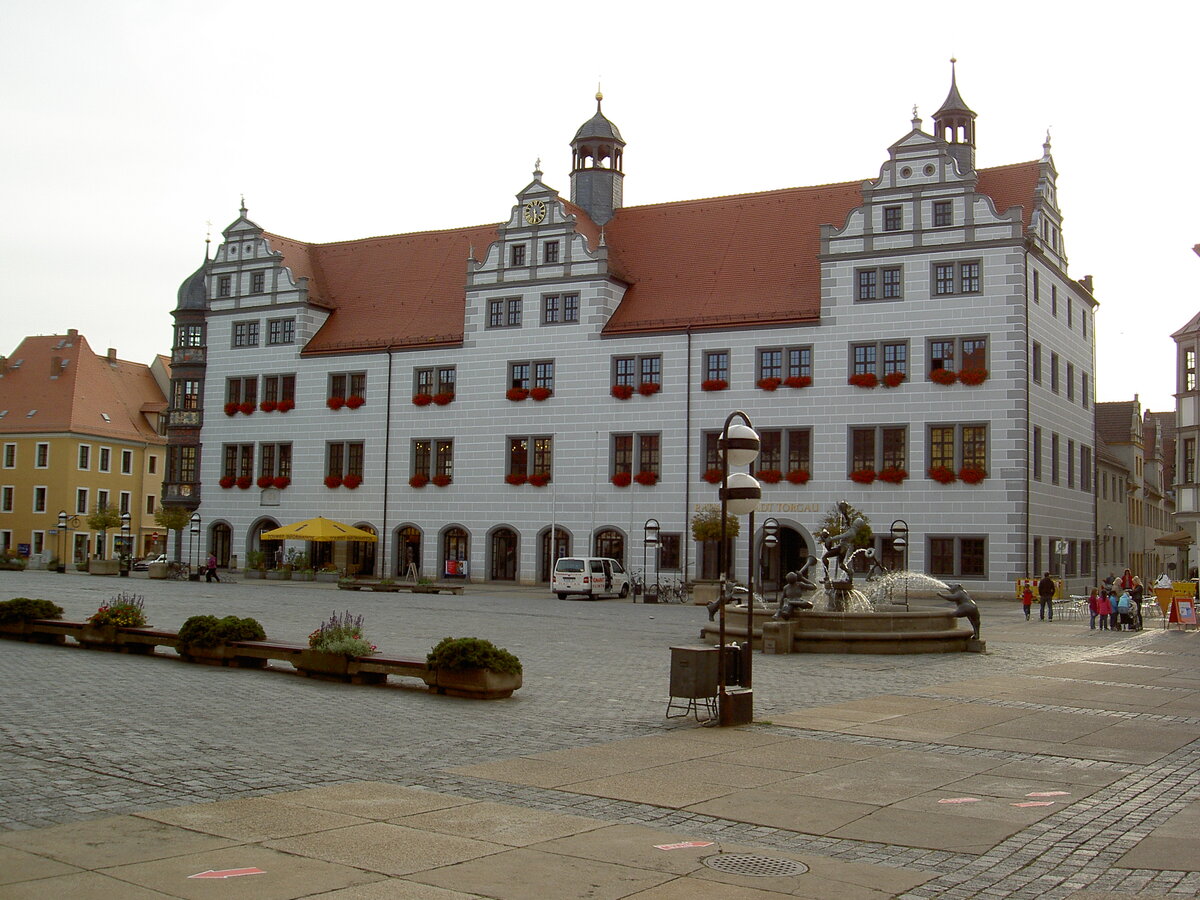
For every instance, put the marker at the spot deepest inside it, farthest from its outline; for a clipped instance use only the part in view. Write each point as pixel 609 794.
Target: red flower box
pixel 770 476
pixel 231 409
pixel 515 478
pixel 441 480
pixel 281 481
pixel 516 395
pixel 335 402
pixel 712 476
pixel 622 479
pixel 941 473
pixel 265 481
pixel 333 481
pixel 649 388
pixel 714 384
pixel 541 393
pixel 646 477
pixel 244 482
pixel 943 376
pixel 893 379
pixel 798 381
pixel 246 409
pixel 539 480
pixel 268 406
pixel 422 399
pixel 285 405
pixel 864 380
pixel 352 481
pixel 971 475
pixel 863 476
pixel 892 475
pixel 798 476
pixel 443 398
pixel 622 391
pixel 769 384
pixel 973 376
pixel 227 481
pixel 354 401
pixel 418 481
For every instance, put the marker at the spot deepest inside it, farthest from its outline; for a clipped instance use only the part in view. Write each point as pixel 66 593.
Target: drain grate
pixel 763 866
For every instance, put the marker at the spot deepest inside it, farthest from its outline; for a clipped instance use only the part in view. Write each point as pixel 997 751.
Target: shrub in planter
pixel 714 384
pixel 333 481
pixel 622 479
pixel 268 406
pixel 22 609
pixel 352 481
pixel 418 481
pixel 285 405
pixel 231 409
pixel 769 476
pixel 892 475
pixel 443 398
pixel 515 478
pixel 341 634
pixel 354 401
pixel 971 475
pixel 894 379
pixel 441 480
pixel 943 376
pixel 649 388
pixel 768 384
pixel 422 399
pixel 335 402
pixel 461 654
pixel 125 608
pixel 712 476
pixel 973 376
pixel 863 476
pixel 797 381
pixel 541 393
pixel 281 481
pixel 540 479
pixel 246 409
pixel 864 380
pixel 798 476
pixel 209 631
pixel 265 481
pixel 516 395
pixel 244 482
pixel 622 391
pixel 646 477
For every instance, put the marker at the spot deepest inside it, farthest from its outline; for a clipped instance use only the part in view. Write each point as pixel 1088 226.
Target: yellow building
pixel 78 432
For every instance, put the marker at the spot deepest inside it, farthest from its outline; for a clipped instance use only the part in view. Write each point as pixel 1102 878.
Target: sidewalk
pixel 1060 779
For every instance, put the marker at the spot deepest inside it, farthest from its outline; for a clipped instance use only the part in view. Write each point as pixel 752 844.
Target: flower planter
pixel 327 577
pixel 104 566
pixel 303 576
pixel 350 586
pixel 385 588
pixel 98 637
pixel 279 575
pixel 335 667
pixel 156 570
pixel 257 574
pixel 480 684
pixel 220 655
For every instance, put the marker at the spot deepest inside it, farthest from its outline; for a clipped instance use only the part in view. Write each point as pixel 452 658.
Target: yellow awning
pixel 318 529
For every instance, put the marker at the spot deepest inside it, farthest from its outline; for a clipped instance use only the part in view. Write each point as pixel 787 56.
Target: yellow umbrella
pixel 319 529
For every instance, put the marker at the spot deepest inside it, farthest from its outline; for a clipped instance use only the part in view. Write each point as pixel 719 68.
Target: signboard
pixel 24 550
pixel 1183 612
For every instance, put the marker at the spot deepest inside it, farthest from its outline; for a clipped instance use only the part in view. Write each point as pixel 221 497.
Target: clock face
pixel 535 212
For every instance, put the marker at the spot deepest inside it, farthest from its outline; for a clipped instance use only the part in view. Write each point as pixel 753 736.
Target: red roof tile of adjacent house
pixel 72 390
pixel 1114 420
pixel 748 259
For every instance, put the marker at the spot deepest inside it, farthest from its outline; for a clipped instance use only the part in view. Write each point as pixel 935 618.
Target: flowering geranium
pixel 769 476
pixel 333 481
pixel 281 481
pixel 649 388
pixel 422 399
pixel 335 402
pixel 769 384
pixel 515 478
pixel 341 634
pixel 864 380
pixel 942 474
pixel 943 376
pixel 246 409
pixel 714 384
pixel 622 479
pixel 441 480
pixel 285 405
pixel 265 481
pixel 244 482
pixel 418 481
pixel 541 393
pixel 973 376
pixel 516 395
pixel 972 474
pixel 797 381
pixel 441 399
pixel 646 477
pixel 892 474
pixel 863 476
pixel 712 476
pixel 268 406
pixel 622 391
pixel 798 476
pixel 352 481
pixel 354 401
pixel 125 609
pixel 231 408
pixel 539 479
pixel 227 481
pixel 893 379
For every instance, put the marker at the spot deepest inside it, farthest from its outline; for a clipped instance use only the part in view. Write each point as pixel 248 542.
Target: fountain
pixel 833 616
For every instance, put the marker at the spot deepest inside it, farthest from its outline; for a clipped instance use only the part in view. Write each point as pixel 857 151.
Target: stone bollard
pixel 777 637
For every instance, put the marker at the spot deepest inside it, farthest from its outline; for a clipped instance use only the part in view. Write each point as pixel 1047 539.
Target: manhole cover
pixel 745 864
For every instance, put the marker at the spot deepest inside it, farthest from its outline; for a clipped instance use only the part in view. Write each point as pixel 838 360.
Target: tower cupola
pixel 597 153
pixel 955 124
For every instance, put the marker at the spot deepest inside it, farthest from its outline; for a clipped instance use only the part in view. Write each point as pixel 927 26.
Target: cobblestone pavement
pixel 89 734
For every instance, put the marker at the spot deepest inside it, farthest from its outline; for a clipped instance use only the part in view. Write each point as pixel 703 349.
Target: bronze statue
pixel 965 607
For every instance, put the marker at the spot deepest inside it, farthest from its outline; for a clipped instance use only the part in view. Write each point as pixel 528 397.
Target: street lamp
pixel 770 527
pixel 125 549
pixel 195 529
pixel 740 495
pixel 899 529
pixel 64 521
pixel 650 539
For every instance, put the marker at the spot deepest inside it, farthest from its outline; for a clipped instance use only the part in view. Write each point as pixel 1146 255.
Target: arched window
pixel 611 543
pixel 503 555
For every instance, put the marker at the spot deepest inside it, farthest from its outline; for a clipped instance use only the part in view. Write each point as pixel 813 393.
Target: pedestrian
pixel 1094 607
pixel 210 568
pixel 1137 595
pixel 1027 600
pixel 1104 609
pixel 1046 597
pixel 1126 580
pixel 1121 614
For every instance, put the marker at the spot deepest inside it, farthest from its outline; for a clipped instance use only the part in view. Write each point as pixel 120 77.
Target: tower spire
pixel 954 123
pixel 596 166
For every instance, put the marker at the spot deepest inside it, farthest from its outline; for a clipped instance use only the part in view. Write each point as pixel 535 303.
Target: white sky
pixel 128 124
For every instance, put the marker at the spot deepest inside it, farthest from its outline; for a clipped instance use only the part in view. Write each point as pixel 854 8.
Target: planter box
pixel 350 587
pixel 98 637
pixel 221 655
pixel 279 574
pixel 25 631
pixel 328 577
pixel 335 667
pixel 253 573
pixel 480 684
pixel 303 576
pixel 385 588
pixel 104 566
pixel 156 570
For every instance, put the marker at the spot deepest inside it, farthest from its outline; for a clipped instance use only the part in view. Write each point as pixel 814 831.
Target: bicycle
pixel 179 571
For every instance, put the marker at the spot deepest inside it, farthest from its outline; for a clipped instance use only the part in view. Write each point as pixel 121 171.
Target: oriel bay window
pixel 181 465
pixel 185 393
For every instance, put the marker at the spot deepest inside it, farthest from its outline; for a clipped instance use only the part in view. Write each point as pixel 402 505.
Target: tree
pixel 706 529
pixel 174 518
pixel 104 518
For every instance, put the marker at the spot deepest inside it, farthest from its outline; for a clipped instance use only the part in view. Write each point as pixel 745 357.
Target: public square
pixel 1060 763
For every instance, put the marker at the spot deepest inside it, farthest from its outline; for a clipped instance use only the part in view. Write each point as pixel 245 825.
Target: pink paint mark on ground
pixel 959 800
pixel 1048 794
pixel 1033 803
pixel 683 846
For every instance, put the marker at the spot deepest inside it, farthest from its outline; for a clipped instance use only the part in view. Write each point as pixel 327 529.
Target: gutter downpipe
pixel 1028 419
pixel 387 469
pixel 687 467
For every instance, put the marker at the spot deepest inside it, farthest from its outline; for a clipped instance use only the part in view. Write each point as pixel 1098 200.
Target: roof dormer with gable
pixel 1045 227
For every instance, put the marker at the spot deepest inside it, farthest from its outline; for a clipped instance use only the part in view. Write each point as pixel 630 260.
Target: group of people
pixel 1116 605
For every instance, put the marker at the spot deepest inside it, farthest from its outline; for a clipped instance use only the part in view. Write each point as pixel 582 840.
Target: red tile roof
pixel 749 259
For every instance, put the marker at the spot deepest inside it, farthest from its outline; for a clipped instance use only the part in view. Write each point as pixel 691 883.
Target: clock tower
pixel 596 158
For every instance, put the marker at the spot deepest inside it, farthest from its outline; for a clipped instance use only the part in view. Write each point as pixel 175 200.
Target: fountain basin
pixel 884 632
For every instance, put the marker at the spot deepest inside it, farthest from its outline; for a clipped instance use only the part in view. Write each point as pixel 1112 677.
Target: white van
pixel 590 576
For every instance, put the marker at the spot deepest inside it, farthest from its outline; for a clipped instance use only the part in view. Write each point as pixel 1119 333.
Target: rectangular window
pixel 6 498
pixel 543 375
pixel 1037 290
pixel 943 213
pixel 39 499
pixel 957 278
pixel 876 283
pixel 770 364
pixel 433 458
pixel 513 319
pixel 224 286
pixel 422 456
pixel 669 550
pixel 1070 309
pixel 868 284
pixel 1070 382
pixel 1070 463
pixel 526 375
pixel 624 368
pixel 1036 453
pixel 281 331
pixel 517 253
pixel 770 452
pixel 1189 460
pixel 560 308
pixel 85 456
pixel 943 278
pixel 105 460
pixel 784 362
pixel 1085 388
pixel 150 505
pixel 344 385
pixel 521 462
pixel 237 460
pixel 958 557
pixel 123 503
pixel 1085 468
pixel 495 313
pixel 1035 363
pixel 189 336
pixel 443 458
pixel 1054 458
pixel 633 454
pixel 185 393
pixel 101 500
pixel 974 447
pixel 550 252
pixel 968 274
pixel 41 456
pixel 242 390
pixel 279 389
pixel 892 283
pixel 649 453
pixel 864 356
pixel 344 458
pixel 152 465
pixel 1189 369
pixel 799 449
pixel 10 456
pixel 81 498
pixel 622 454
pixel 275 460
pixel 941 447
pixel 895 359
pixel 258 282
pixel 941 354
pixel 716 365
pixel 245 334
pixel 126 462
pixel 1054 372
pixel 1054 300
pixel 893 218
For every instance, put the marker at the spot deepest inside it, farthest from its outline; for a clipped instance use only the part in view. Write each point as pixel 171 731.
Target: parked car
pixel 141 565
pixel 589 576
